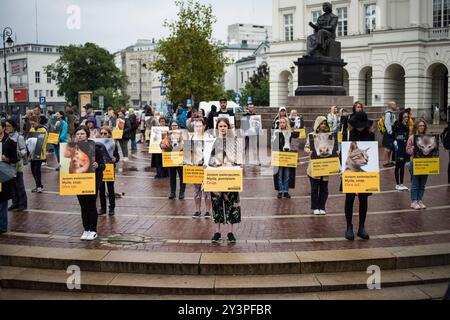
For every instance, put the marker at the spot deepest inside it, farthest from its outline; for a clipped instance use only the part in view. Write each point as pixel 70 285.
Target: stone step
pixel 122 283
pixel 271 263
pixel 434 291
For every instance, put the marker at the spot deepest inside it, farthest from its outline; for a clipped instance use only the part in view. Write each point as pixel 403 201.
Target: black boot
pixel 349 235
pixel 362 233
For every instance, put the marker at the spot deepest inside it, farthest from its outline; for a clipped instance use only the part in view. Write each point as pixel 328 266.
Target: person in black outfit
pixel 212 114
pixel 343 124
pixel 88 202
pixel 446 142
pixel 224 108
pixel 401 135
pixel 361 131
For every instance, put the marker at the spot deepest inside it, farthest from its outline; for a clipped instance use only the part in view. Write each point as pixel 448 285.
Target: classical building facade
pixel 395 50
pixel 253 34
pixel 28 79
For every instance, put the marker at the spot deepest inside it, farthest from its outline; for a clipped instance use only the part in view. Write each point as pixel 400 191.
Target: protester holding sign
pixel 418 182
pixel 173 142
pixel 361 131
pixel 401 135
pixel 123 123
pixel 88 202
pixel 19 199
pixel 8 155
pixel 284 177
pixel 37 147
pixel 63 128
pixel 157 161
pixel 112 157
pixel 226 205
pixel 319 185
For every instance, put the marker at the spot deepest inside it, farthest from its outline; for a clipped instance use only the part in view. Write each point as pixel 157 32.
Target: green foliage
pixel 191 60
pixel 86 68
pixel 258 87
pixel 112 98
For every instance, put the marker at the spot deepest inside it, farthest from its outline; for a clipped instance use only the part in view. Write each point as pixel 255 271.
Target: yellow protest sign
pixel 173 159
pixel 193 175
pixel 426 166
pixel 109 174
pixel 53 138
pixel 361 182
pixel 77 184
pixel 223 180
pixel 117 134
pixel 340 136
pixel 284 159
pixel 325 167
pixel 302 133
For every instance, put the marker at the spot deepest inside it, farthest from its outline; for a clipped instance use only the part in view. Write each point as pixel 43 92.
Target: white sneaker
pixel 403 188
pixel 39 190
pixel 317 212
pixel 397 187
pixel 92 236
pixel 323 212
pixel 84 236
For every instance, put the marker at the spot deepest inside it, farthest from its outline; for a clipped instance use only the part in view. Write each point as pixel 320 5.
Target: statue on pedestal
pixel 318 44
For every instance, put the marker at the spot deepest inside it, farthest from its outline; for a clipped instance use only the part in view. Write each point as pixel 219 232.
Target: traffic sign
pixel 42 101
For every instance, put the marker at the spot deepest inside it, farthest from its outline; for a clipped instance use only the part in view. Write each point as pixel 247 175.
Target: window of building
pixel 248 75
pixel 40 93
pixel 51 93
pixel 242 77
pixel 49 77
pixel 370 17
pixel 0 94
pixel 47 93
pixel 37 77
pixel 288 27
pixel 343 22
pixel 441 13
pixel 35 93
pixel 315 15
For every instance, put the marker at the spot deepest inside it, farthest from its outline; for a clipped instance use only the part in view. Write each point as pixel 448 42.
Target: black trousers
pixel 173 179
pixel 111 195
pixel 319 193
pixel 363 206
pixel 89 213
pixel 19 194
pixel 36 171
pixel 448 170
pixel 400 171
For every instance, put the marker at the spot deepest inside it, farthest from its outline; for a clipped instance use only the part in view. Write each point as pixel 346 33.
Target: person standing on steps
pixel 388 136
pixel 401 135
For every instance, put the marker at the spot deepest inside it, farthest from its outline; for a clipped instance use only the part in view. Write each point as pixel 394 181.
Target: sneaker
pixel 181 197
pixel 111 212
pixel 323 212
pixel 216 238
pixel 34 190
pixel 102 212
pixel 413 204
pixel 403 188
pixel 39 190
pixel 207 215
pixel 317 212
pixel 197 215
pixel 280 195
pixel 84 236
pixel 397 187
pixel 422 206
pixel 417 206
pixel 287 196
pixel 231 238
pixel 172 196
pixel 91 236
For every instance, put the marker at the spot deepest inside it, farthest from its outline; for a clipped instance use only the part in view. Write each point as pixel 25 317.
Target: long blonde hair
pixel 416 126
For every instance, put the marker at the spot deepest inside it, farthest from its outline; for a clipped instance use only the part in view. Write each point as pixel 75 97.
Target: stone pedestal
pixel 313 103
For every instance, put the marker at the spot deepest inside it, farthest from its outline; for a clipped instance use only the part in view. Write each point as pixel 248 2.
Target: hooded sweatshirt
pixel 317 123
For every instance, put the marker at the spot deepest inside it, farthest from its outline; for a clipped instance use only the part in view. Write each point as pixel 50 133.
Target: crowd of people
pixel 221 207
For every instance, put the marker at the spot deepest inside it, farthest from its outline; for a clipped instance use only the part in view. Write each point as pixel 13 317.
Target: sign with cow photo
pixel 361 170
pixel 324 157
pixel 426 155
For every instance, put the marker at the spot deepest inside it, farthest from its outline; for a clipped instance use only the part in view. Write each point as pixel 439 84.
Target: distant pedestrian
pixel 388 136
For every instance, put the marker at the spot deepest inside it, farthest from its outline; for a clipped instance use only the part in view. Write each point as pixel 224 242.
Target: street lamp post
pixel 7 32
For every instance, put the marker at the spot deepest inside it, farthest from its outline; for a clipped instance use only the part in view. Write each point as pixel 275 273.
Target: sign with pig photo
pixel 324 156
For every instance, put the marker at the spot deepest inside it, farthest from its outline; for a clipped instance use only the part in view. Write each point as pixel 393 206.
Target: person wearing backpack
pixel 388 134
pixel 19 195
pixel 445 136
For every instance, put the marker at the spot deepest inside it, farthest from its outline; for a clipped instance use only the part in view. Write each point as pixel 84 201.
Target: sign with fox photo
pixel 426 155
pixel 360 167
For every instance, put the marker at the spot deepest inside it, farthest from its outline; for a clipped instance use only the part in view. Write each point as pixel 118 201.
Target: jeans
pixel 133 144
pixel 36 171
pixel 111 195
pixel 418 184
pixel 319 193
pixel 19 194
pixel 283 180
pixel 3 216
pixel 173 179
pixel 56 148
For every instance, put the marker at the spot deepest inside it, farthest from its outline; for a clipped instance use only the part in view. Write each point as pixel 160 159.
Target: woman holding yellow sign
pixel 226 205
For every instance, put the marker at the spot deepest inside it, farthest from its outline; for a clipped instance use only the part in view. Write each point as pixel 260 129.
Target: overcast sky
pixel 116 24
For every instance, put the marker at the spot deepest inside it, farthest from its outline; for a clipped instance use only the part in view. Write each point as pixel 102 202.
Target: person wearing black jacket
pixel 224 108
pixel 401 135
pixel 212 114
pixel 88 202
pixel 126 134
pixel 106 133
pixel 361 131
pixel 446 141
pixel 9 156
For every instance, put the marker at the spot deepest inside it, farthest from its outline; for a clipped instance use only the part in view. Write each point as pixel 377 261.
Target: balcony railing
pixel 439 33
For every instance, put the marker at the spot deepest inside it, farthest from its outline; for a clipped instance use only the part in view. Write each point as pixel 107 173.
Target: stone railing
pixel 439 33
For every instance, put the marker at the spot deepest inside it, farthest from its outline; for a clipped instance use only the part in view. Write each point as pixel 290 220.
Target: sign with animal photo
pixel 426 155
pixel 324 157
pixel 361 171
pixel 37 145
pixel 155 139
pixel 251 125
pixel 77 174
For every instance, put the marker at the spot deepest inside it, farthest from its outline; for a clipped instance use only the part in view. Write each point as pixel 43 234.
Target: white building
pixel 248 66
pixel 253 34
pixel 27 79
pixel 143 82
pixel 395 50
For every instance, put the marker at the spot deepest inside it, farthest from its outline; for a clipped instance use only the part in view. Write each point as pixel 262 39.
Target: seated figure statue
pixel 325 32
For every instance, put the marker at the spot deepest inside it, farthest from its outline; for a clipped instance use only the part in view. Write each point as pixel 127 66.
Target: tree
pixel 112 98
pixel 258 87
pixel 192 62
pixel 86 68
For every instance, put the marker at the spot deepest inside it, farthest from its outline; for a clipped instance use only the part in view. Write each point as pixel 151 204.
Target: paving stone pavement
pixel 268 224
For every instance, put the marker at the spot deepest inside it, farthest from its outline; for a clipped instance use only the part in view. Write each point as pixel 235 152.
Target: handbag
pixel 7 172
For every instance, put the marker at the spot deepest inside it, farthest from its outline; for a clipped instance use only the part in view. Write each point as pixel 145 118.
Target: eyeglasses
pixel 104 133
